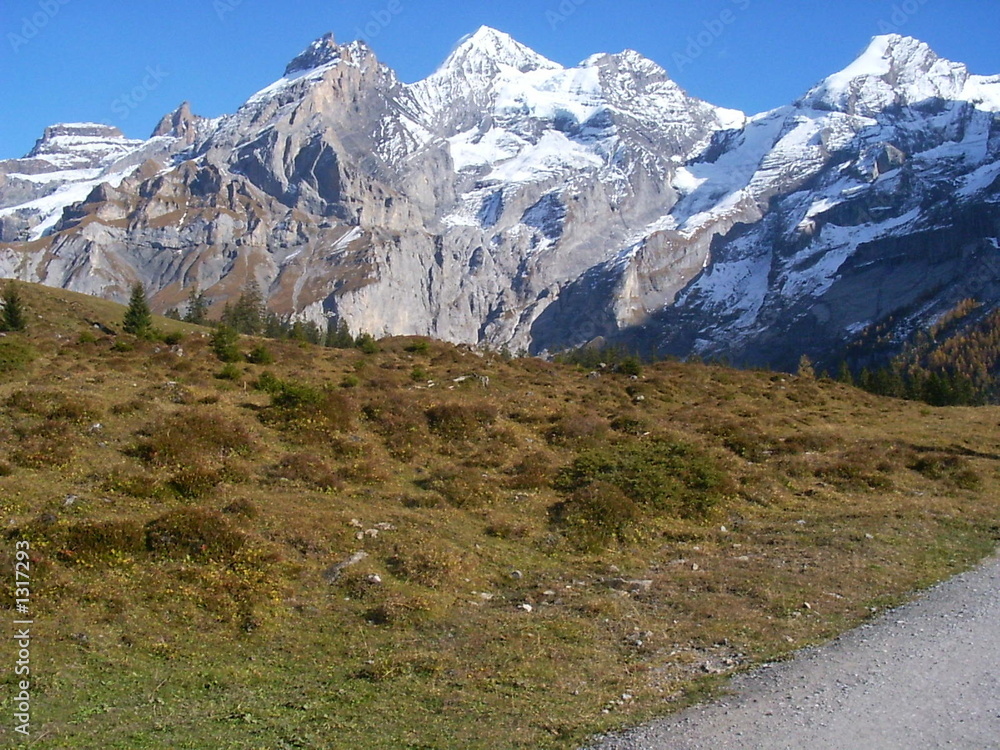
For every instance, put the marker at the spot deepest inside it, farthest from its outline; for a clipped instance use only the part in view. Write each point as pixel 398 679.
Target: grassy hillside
pixel 426 547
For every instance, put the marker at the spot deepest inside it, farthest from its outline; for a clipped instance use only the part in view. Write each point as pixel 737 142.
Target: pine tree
pixel 225 344
pixel 339 336
pixel 15 316
pixel 844 374
pixel 197 308
pixel 138 317
pixel 248 315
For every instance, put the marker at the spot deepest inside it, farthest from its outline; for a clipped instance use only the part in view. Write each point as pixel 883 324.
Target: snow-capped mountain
pixel 509 200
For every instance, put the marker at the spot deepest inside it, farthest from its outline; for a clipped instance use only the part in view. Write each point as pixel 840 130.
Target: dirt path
pixel 924 676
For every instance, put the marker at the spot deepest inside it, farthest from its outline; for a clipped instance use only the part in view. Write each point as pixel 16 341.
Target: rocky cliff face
pixel 508 200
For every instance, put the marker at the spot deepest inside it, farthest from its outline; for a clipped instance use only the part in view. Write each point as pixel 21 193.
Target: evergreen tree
pixel 15 316
pixel 249 314
pixel 225 344
pixel 844 374
pixel 138 317
pixel 197 308
pixel 339 336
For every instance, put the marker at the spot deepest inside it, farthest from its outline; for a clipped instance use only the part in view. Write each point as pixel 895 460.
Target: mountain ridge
pixel 507 200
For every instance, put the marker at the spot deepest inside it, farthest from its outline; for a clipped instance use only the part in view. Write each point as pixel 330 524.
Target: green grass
pixel 187 530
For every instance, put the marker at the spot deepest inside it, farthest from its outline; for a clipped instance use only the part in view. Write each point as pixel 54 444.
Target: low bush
pixel 196 480
pixel 53 405
pixel 460 486
pixel 657 473
pixel 418 347
pixel 532 472
pixel 48 444
pixel 307 468
pixel 401 423
pixel 430 564
pixel 193 532
pixel 195 435
pixel 230 372
pixel 950 469
pixel 15 356
pixel 260 355
pixel 243 508
pixel 577 429
pixel 596 515
pixel 101 540
pixel 461 421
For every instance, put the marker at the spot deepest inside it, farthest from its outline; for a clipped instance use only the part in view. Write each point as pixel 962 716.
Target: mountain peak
pixel 487 50
pixel 893 71
pixel 180 123
pixel 324 50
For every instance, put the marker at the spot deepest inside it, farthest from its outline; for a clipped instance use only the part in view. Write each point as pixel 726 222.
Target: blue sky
pixel 128 63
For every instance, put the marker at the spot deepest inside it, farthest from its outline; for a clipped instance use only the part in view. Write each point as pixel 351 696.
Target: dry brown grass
pixel 184 542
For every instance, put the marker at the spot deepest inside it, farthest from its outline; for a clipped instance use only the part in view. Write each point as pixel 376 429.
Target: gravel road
pixel 924 676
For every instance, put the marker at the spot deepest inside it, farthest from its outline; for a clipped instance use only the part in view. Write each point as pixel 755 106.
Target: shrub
pixel 852 474
pixel 596 514
pixel 123 347
pixel 87 337
pixel 196 480
pixel 43 445
pixel 367 343
pixel 307 468
pixel 630 366
pixel 401 423
pixel 305 408
pixel 350 381
pixel 534 471
pixel 418 347
pixel 460 486
pixel 746 442
pixel 15 356
pixel 242 508
pixel 195 435
pixel 656 473
pixel 230 371
pixel 173 338
pixel 193 532
pixel 461 421
pixel 135 485
pixel 430 564
pixel 576 428
pixel 393 608
pixel 54 405
pixel 260 355
pixel 630 425
pixel 100 540
pixel 950 469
